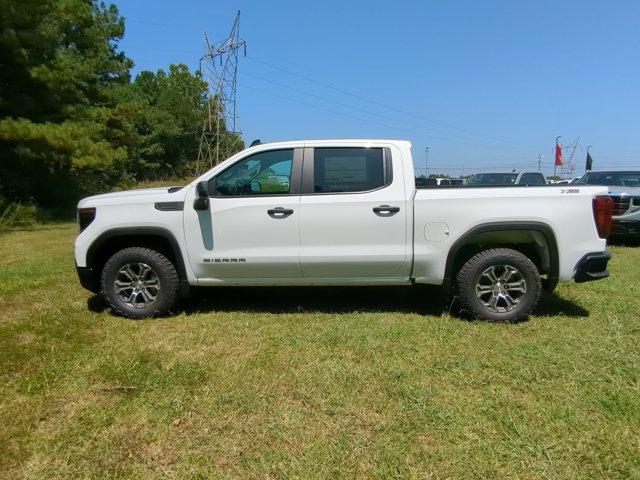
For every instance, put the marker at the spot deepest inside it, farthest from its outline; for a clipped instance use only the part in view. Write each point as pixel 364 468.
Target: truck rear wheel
pixel 500 285
pixel 139 282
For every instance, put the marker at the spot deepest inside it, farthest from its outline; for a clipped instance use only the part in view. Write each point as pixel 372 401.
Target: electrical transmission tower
pixel 569 168
pixel 221 136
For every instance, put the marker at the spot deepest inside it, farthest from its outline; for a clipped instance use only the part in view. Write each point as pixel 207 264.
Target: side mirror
pixel 201 201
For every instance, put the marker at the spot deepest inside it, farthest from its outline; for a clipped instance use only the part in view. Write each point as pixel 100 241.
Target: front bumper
pixel 625 228
pixel 593 266
pixel 88 279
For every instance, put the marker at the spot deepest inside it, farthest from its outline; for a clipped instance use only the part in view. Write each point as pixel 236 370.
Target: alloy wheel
pixel 137 285
pixel 501 288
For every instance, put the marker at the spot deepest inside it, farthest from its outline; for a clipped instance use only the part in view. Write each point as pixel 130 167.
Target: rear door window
pixel 342 170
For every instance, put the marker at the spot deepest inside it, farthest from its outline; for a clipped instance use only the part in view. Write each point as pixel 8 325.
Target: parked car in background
pixel 501 179
pixel 457 182
pixel 624 189
pixel 339 212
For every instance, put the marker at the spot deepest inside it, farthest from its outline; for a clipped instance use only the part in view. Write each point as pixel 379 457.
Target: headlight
pixel 85 217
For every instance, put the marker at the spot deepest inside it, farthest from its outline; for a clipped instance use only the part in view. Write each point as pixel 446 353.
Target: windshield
pixel 493 179
pixel 612 179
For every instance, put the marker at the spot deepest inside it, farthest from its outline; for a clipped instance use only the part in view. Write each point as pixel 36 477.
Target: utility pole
pixel 220 137
pixel 426 161
pixel 540 157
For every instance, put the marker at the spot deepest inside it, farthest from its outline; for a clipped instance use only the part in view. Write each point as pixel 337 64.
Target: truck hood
pixel 121 197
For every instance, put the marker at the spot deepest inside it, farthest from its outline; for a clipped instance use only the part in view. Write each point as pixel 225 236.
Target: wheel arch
pixel 483 236
pixel 157 238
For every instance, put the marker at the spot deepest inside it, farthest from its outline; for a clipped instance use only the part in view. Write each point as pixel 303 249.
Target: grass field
pixel 316 383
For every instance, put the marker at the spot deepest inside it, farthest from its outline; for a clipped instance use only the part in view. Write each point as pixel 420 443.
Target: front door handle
pixel 279 212
pixel 386 210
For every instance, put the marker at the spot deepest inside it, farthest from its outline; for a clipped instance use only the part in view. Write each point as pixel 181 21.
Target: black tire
pixel 167 294
pixel 499 303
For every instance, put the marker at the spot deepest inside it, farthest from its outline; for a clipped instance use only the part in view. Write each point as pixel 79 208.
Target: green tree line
pixel 73 121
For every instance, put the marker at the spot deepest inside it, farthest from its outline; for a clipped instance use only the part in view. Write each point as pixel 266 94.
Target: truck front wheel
pixel 139 282
pixel 499 284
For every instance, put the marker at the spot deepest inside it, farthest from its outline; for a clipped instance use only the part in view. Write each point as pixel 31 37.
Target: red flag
pixel 559 161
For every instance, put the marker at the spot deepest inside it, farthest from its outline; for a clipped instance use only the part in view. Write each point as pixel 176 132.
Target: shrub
pixel 14 215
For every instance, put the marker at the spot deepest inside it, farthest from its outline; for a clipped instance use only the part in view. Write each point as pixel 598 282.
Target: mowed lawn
pixel 315 383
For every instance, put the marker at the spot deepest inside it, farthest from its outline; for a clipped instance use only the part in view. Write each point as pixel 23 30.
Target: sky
pixel 486 85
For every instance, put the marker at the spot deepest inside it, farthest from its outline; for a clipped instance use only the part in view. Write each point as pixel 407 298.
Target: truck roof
pixel 329 142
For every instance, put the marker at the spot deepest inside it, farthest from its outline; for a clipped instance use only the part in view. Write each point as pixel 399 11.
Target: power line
pixel 346 115
pixel 419 129
pixel 335 112
pixel 375 102
pixel 157 24
pixel 360 97
pixel 164 50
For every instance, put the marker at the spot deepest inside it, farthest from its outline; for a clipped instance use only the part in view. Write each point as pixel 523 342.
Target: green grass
pixel 316 383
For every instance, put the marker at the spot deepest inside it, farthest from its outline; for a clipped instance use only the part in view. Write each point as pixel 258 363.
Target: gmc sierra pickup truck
pixel 339 212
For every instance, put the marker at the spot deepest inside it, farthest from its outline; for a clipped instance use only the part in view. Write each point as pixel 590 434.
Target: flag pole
pixel 555 166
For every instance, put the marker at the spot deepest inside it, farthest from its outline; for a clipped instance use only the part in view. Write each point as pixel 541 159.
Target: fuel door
pixel 436 232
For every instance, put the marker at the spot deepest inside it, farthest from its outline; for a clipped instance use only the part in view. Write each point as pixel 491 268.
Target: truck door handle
pixel 279 212
pixel 386 209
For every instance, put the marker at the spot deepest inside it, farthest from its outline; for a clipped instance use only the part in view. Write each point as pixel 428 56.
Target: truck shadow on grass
pixel 421 300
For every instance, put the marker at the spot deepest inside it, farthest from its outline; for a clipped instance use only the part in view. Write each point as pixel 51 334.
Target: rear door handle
pixel 279 212
pixel 386 209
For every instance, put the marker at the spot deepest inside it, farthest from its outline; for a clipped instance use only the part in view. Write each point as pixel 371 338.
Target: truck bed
pixel 444 215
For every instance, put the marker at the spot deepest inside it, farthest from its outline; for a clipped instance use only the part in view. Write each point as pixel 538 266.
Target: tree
pixel 61 76
pixel 71 121
pixel 174 112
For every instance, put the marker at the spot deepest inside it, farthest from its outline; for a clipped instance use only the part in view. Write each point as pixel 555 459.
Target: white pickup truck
pixel 339 212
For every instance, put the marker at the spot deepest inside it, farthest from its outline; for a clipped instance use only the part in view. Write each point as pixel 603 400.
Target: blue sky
pixel 487 85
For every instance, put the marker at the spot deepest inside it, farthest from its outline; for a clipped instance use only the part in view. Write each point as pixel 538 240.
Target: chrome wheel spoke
pixel 121 286
pixel 482 290
pixel 508 273
pixel 519 286
pixel 146 298
pixel 508 301
pixel 131 298
pixel 143 268
pixel 493 303
pixel 490 274
pixel 128 272
pixel 511 301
